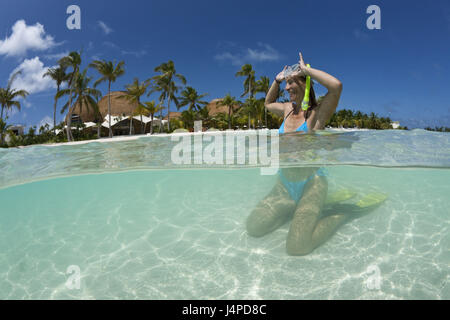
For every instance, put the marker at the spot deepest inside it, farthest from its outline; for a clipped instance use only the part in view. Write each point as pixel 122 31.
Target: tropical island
pixel 92 114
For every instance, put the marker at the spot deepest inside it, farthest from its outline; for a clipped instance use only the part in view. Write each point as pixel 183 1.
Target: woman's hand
pixel 303 68
pixel 280 77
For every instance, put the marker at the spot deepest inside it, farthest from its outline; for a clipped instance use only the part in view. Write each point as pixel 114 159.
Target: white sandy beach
pixel 164 135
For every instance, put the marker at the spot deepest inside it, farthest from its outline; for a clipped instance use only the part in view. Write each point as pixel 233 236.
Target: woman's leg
pixel 308 229
pixel 271 212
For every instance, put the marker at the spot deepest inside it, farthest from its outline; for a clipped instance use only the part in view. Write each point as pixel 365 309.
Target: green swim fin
pixel 339 196
pixel 371 200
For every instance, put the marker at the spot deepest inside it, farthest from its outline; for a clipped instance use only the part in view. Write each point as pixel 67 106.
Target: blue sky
pixel 400 71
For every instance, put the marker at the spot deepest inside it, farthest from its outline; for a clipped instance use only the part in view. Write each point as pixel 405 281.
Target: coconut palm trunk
pixel 109 108
pixel 160 122
pixel 168 112
pixel 265 116
pixel 54 110
pixel 69 119
pixel 131 123
pixel 151 126
pixel 251 95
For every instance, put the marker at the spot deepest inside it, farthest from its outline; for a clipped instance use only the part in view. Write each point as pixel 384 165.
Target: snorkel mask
pixel 295 68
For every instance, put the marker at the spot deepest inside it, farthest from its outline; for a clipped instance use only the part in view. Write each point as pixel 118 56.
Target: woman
pixel 299 193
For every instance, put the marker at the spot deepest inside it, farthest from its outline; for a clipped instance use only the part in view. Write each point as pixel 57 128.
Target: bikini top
pixel 303 127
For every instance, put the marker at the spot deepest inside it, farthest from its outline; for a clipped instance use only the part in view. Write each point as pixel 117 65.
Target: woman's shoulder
pixel 287 107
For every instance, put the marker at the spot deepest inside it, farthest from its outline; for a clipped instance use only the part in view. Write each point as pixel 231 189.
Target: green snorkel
pixel 305 102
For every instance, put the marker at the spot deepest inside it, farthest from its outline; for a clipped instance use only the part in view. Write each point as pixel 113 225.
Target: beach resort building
pixel 124 121
pixel 123 118
pixel 395 124
pixel 17 129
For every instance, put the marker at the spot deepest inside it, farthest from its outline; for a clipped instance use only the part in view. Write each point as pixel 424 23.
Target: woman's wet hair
pixel 312 96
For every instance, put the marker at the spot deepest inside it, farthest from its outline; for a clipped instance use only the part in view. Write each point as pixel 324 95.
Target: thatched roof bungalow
pixel 119 107
pixel 214 108
pixel 173 115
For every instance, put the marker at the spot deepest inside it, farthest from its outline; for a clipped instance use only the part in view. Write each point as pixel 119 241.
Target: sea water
pixel 118 220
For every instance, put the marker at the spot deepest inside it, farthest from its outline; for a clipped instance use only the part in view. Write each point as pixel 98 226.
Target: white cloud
pixel 234 58
pixel 31 78
pixel 267 53
pixel 24 38
pixel 56 56
pixel 46 120
pixel 137 54
pixel 110 44
pixel 264 53
pixel 104 27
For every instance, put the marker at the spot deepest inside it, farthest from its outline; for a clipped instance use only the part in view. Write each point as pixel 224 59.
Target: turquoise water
pixel 139 227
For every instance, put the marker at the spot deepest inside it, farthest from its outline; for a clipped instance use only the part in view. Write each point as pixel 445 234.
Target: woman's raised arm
pixel 330 101
pixel 272 95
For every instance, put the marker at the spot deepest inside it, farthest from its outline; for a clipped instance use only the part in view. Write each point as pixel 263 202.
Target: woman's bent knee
pixel 257 227
pixel 298 249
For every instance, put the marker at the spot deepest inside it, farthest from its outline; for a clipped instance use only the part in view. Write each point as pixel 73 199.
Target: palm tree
pixel 3 129
pixel 73 60
pixel 141 110
pixel 188 117
pixel 254 108
pixel 99 122
pixel 133 94
pixel 230 102
pixel 167 90
pixel 159 85
pixel 59 76
pixel 203 114
pixel 263 85
pixel 189 96
pixel 249 82
pixel 9 95
pixel 109 71
pixel 168 73
pixel 373 120
pixel 82 94
pixel 221 120
pixel 152 109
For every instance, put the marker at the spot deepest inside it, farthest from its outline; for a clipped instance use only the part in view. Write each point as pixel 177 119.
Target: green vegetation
pixel 109 72
pixel 133 94
pixel 350 119
pixel 167 84
pixel 73 60
pixel 60 76
pixel 439 129
pixel 9 96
